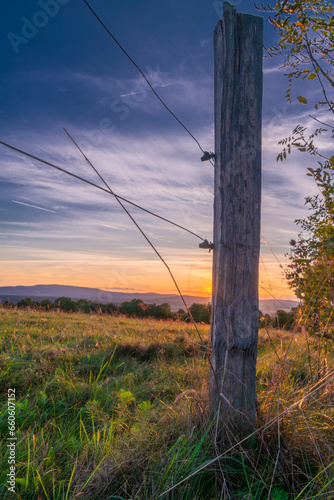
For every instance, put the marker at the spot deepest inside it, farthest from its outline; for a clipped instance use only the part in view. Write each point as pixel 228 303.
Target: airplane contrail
pixel 34 206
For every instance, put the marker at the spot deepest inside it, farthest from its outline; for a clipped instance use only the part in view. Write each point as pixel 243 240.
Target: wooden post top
pixel 227 7
pixel 229 10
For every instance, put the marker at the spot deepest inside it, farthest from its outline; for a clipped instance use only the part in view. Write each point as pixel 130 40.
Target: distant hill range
pixel 53 292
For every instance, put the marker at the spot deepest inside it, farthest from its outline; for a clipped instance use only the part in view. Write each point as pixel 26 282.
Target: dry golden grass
pixel 111 406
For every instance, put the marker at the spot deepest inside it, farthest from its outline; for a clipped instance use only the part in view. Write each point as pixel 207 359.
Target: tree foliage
pixel 138 308
pixel 27 302
pixel 201 312
pixel 65 304
pixel 306 41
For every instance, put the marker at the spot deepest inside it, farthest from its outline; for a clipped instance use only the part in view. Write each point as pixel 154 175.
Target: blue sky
pixel 60 69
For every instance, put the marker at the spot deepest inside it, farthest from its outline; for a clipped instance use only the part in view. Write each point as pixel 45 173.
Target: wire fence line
pixel 167 108
pixel 162 102
pixel 82 179
pixel 118 197
pixel 139 229
pixel 272 251
pixel 107 188
pixel 121 199
pixel 160 257
pixel 272 295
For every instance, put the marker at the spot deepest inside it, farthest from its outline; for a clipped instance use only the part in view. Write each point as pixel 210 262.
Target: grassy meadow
pixel 117 408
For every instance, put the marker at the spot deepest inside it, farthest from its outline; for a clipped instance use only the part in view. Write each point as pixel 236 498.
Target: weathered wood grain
pixel 238 53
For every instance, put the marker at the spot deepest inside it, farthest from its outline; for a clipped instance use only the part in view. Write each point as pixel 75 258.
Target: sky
pixel 61 69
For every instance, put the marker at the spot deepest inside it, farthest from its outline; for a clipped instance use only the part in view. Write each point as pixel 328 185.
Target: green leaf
pixel 20 481
pixel 302 99
pixel 331 160
pixel 312 76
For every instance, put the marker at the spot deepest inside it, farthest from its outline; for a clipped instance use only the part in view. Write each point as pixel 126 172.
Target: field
pixel 114 407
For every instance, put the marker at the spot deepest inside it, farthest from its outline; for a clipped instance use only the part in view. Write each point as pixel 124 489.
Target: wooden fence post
pixel 238 53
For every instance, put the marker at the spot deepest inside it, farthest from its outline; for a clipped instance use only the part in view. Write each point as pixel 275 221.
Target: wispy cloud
pixel 161 172
pixel 34 206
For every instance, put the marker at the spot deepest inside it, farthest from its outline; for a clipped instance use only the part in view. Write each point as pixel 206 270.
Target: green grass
pixel 112 407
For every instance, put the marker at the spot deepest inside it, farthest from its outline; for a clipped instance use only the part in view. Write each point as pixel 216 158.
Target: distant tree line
pixel 139 309
pixel 134 308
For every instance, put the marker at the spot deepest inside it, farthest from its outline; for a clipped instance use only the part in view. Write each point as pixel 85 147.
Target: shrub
pixel 285 320
pixel 201 313
pixel 8 304
pixel 27 302
pixel 46 304
pixel 65 304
